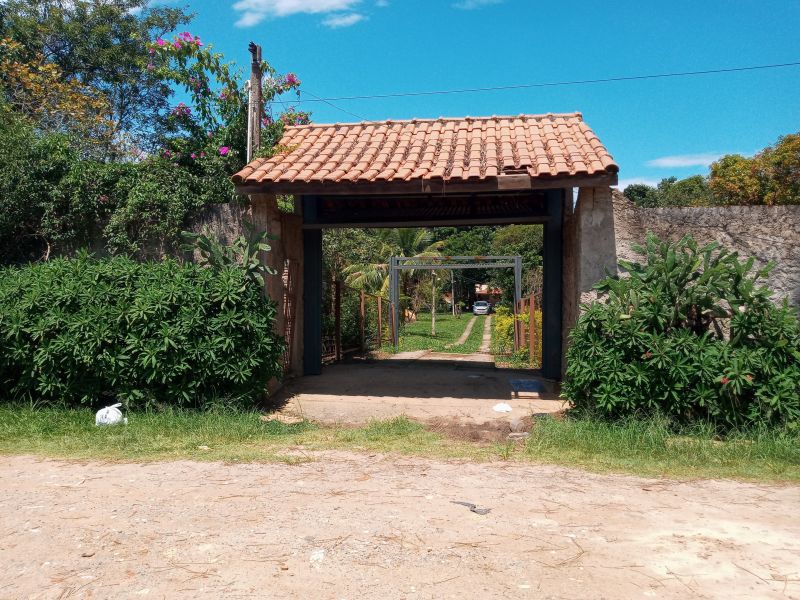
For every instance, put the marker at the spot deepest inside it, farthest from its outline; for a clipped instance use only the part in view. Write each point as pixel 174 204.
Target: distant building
pixel 485 292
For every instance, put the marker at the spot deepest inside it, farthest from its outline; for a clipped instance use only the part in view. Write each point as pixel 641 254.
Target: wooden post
pixel 380 322
pixel 531 328
pixel 361 321
pixel 337 319
pixel 255 104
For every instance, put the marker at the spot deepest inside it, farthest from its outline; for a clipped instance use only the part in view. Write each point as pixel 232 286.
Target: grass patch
pixel 214 435
pixel 648 448
pixel 652 448
pixel 417 336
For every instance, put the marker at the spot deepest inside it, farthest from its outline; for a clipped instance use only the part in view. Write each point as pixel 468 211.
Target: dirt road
pixel 358 526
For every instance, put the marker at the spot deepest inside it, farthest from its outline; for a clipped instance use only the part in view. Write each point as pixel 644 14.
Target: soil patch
pixel 374 526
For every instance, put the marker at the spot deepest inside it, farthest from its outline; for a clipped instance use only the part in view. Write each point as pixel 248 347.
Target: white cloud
pixel 255 11
pixel 347 20
pixel 473 4
pixel 684 160
pixel 623 183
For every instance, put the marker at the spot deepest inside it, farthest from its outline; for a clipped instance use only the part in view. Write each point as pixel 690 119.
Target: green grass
pixel 214 435
pixel 417 336
pixel 652 448
pixel 648 448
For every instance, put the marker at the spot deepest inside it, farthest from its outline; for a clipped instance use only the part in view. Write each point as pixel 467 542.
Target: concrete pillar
pixel 589 251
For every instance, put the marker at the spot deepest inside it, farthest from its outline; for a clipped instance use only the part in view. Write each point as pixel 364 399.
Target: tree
pixel 102 44
pixel 466 241
pixel 671 191
pixel 518 240
pixel 690 191
pixel 404 241
pixel 781 164
pixel 642 195
pixel 62 187
pixel 735 179
pixel 38 91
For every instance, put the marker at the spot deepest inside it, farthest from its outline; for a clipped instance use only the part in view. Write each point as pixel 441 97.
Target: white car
pixel 481 307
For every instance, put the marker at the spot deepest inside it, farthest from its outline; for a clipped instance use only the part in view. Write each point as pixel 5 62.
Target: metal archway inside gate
pixel 445 263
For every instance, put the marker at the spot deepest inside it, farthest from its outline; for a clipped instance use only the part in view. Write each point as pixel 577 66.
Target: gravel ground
pixel 358 526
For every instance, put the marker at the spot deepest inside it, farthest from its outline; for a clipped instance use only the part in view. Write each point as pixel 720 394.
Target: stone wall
pixel 768 233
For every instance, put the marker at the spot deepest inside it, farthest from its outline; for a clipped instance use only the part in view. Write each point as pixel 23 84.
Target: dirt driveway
pixel 358 526
pixel 448 386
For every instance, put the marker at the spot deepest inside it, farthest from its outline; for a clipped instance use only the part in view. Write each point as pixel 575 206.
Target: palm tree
pixel 409 242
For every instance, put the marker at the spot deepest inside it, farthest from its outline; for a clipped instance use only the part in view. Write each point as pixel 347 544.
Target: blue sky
pixel 653 128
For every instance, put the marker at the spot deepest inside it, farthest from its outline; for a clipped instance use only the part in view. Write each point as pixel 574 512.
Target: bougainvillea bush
pixel 690 333
pixel 60 191
pixel 86 331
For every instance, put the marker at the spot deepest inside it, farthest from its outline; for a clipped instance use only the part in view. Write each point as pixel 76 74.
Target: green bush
pixel 692 334
pixel 85 332
pixel 503 337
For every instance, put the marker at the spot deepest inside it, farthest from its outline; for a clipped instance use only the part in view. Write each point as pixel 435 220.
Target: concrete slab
pixel 355 393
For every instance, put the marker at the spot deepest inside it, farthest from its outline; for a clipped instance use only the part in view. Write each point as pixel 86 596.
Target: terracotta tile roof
pixel 468 149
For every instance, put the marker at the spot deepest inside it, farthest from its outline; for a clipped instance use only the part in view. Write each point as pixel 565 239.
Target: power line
pixel 339 108
pixel 548 84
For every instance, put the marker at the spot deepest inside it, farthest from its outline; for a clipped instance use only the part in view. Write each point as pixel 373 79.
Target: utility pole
pixel 255 102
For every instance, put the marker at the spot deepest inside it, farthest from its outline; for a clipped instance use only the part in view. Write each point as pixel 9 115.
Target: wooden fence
pixel 526 330
pixel 375 324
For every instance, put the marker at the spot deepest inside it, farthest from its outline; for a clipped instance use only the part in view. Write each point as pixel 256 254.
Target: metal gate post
pixel 394 298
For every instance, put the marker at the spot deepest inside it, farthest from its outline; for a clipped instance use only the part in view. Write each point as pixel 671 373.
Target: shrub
pixel 81 331
pixel 692 334
pixel 503 337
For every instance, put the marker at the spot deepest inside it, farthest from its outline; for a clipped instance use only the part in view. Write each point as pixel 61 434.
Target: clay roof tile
pixel 469 148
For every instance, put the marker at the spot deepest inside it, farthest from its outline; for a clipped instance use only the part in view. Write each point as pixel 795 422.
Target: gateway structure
pixel 436 172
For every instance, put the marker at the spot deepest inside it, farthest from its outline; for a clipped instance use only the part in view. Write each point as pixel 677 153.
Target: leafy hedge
pixel 691 333
pixel 85 331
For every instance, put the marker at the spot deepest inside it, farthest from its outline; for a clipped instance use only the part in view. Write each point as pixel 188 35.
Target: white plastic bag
pixel 110 415
pixel 502 407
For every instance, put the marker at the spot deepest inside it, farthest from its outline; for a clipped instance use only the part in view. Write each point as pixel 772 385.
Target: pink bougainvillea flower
pixel 224 151
pixel 210 134
pixel 177 45
pixel 725 381
pixel 152 50
pixel 202 155
pixel 193 156
pixel 160 42
pixel 291 79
